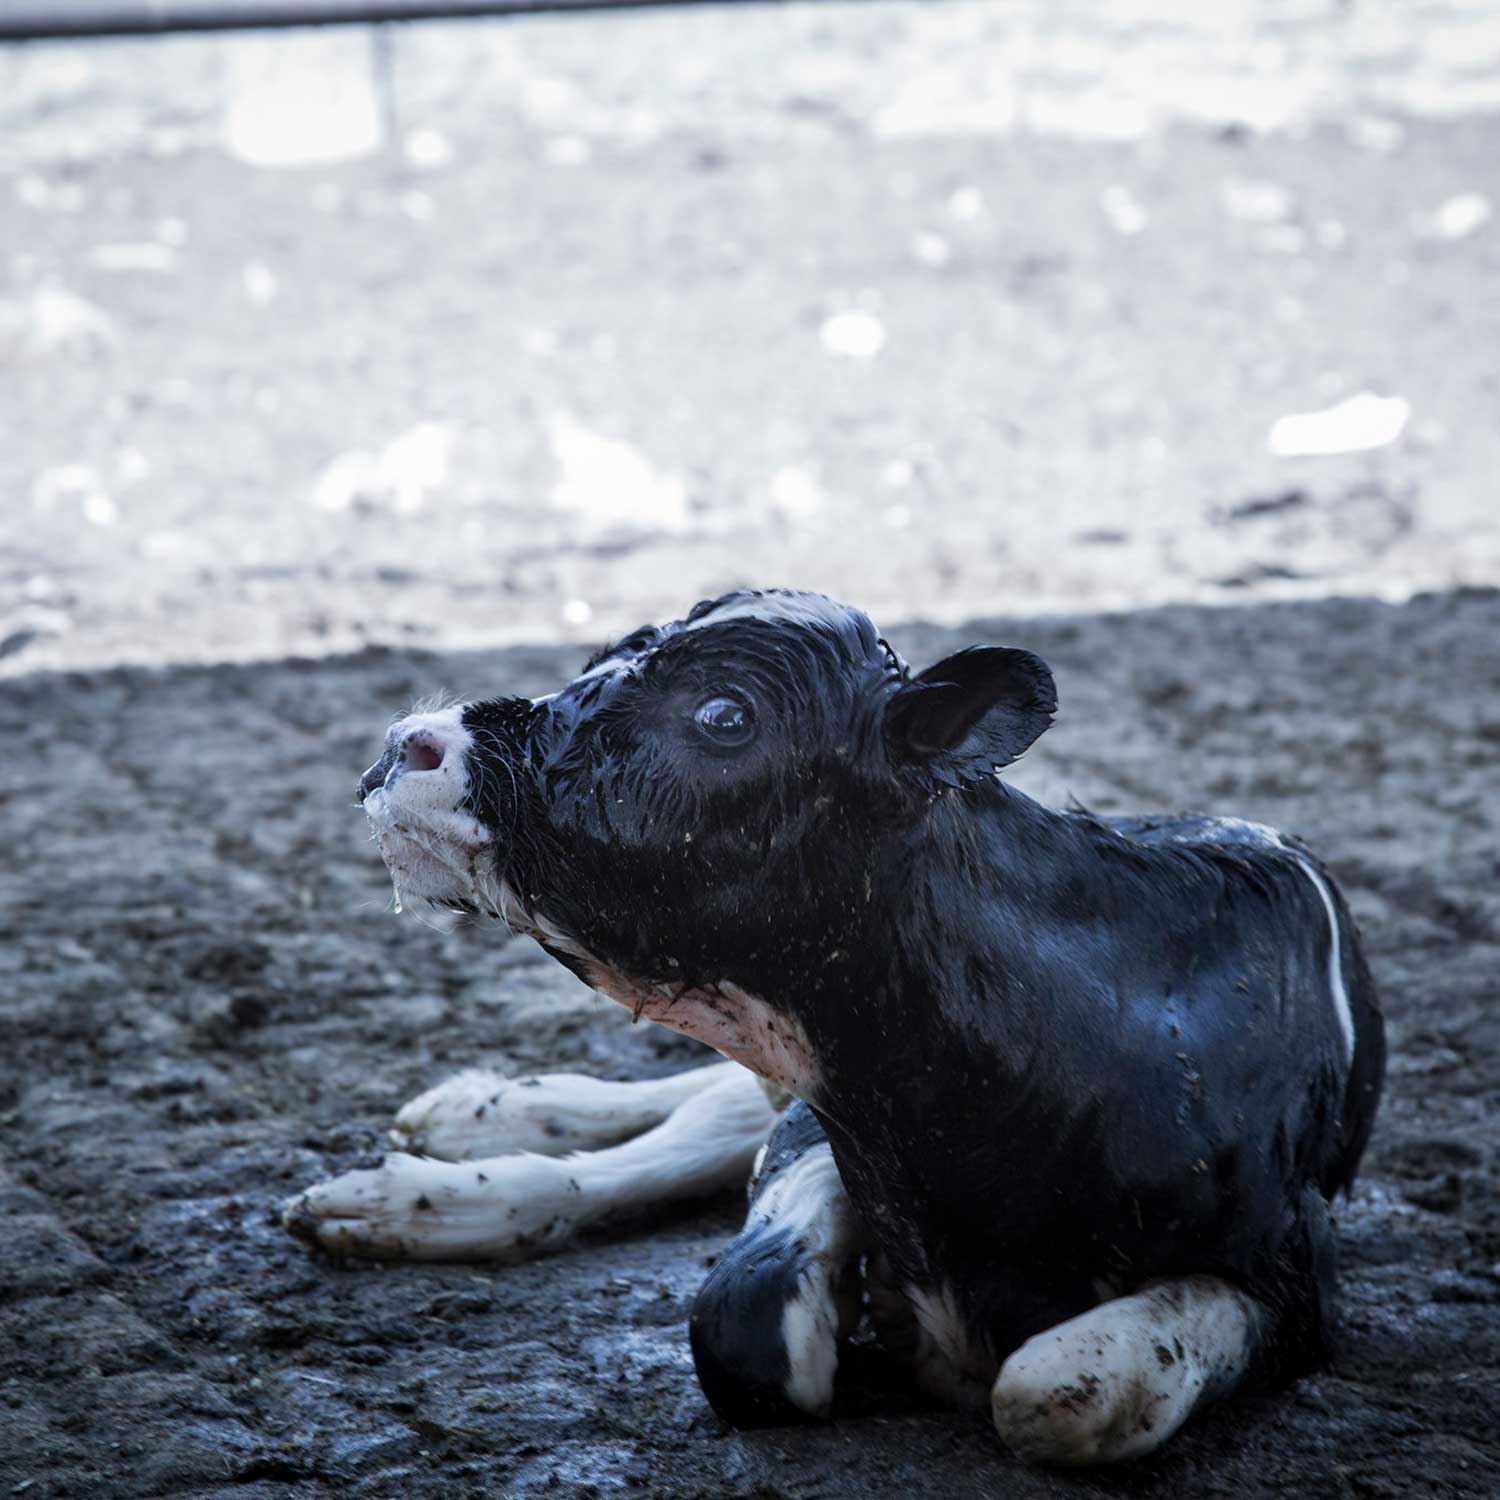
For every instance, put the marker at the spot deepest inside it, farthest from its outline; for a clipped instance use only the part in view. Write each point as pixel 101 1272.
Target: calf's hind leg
pixel 520 1205
pixel 767 1323
pixel 1117 1381
pixel 480 1113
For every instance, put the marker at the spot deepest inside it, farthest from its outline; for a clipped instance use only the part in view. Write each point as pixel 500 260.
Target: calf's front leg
pixel 1117 1381
pixel 767 1324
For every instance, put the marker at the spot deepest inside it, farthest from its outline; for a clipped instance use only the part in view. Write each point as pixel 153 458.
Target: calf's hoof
pixel 506 1208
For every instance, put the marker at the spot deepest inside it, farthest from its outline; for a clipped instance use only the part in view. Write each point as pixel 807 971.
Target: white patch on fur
pixel 544 929
pixel 1117 1381
pixel 779 609
pixel 430 848
pixel 510 1208
pixel 808 1201
pixel 757 1164
pixel 948 1361
pixel 735 1023
pixel 479 1113
pixel 606 668
pixel 1261 831
pixel 1335 961
pixel 891 1312
pixel 1336 988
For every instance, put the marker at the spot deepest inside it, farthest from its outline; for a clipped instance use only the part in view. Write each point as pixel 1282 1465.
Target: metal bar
pixel 28 20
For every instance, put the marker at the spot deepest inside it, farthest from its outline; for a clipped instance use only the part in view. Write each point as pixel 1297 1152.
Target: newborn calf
pixel 1072 1094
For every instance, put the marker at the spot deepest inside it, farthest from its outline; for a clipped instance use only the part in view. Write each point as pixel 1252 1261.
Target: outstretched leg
pixel 767 1323
pixel 480 1113
pixel 518 1206
pixel 1117 1381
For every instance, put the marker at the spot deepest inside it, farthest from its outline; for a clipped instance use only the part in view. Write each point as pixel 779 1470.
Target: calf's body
pixel 1073 1093
pixel 1099 1057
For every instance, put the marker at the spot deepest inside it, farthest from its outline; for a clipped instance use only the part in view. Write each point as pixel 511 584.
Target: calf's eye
pixel 725 721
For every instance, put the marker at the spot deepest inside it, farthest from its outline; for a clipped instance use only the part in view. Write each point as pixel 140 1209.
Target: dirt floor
pixel 209 1004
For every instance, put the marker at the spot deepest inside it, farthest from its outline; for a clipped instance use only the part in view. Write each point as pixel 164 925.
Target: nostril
pixel 422 753
pixel 374 778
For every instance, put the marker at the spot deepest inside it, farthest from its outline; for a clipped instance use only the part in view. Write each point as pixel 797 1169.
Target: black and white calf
pixel 1071 1095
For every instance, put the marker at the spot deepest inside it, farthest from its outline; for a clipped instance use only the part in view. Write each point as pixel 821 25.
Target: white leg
pixel 479 1113
pixel 516 1207
pixel 1117 1381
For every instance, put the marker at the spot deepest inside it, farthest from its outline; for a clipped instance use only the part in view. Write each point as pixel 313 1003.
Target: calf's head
pixel 713 809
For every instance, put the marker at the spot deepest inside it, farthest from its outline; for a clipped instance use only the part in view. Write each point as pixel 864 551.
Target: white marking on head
pixel 776 609
pixel 606 668
pixel 429 845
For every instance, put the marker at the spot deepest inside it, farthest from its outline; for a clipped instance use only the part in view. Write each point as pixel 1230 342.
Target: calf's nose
pixel 405 750
pixel 374 778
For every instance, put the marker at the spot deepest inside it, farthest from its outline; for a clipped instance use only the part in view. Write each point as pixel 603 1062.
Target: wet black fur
pixel 1051 1048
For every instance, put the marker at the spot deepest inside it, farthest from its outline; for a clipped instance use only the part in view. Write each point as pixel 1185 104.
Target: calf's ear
pixel 972 712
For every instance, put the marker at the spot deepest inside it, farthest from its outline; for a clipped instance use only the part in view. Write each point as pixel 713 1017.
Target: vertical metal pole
pixel 383 78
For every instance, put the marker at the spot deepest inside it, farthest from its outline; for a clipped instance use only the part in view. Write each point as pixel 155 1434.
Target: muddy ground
pixel 208 1004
